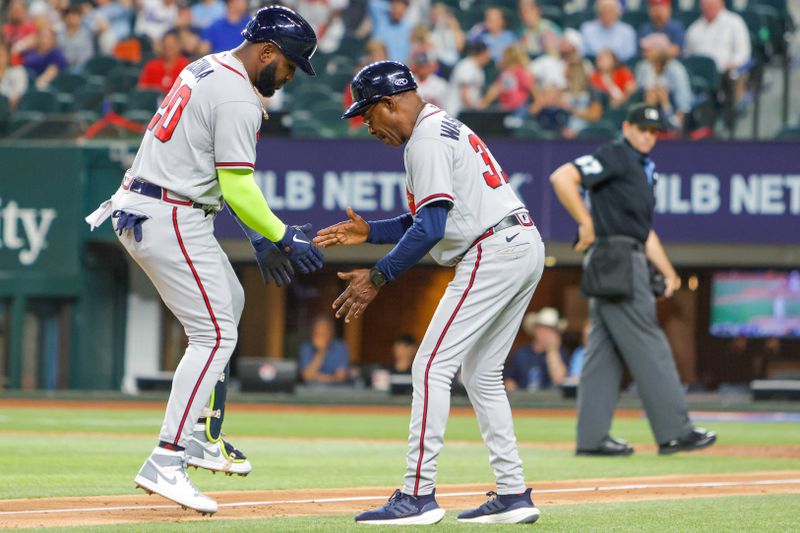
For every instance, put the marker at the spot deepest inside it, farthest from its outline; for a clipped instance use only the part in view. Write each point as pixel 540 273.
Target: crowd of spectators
pixel 564 75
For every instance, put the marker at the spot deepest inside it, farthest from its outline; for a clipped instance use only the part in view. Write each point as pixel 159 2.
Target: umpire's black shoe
pixel 609 447
pixel 698 439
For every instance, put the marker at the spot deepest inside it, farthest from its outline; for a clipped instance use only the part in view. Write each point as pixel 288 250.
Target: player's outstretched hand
pixel 349 232
pixel 357 296
pixel 272 263
pixel 296 245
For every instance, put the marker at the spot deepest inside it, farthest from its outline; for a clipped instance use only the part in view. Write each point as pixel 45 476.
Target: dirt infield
pixel 106 510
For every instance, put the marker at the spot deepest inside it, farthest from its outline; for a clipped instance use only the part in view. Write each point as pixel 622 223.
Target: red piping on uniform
pixel 210 313
pixel 432 197
pixel 169 200
pixel 428 368
pixel 234 164
pixel 214 57
pixel 428 115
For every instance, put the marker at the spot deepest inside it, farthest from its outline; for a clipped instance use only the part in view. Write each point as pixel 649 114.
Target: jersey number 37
pixel 492 177
pixel 169 113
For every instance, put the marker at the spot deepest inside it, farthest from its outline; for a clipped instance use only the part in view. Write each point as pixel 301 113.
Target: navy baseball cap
pixel 287 30
pixel 377 80
pixel 644 116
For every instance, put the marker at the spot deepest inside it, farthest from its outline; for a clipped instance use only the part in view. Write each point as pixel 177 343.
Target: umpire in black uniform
pixel 620 240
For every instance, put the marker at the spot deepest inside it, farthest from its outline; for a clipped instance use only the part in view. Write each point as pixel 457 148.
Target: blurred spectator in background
pixel 325 17
pixel 514 86
pixel 550 69
pixel 45 59
pixel 323 359
pixel 404 349
pixel 13 79
pixel 155 18
pixel 607 32
pixel 494 33
pixel 542 363
pixel 582 100
pixel 578 355
pixel 537 32
pixel 19 32
pixel 226 32
pixel 431 88
pixel 374 51
pixel 52 11
pixel 447 38
pixel 206 12
pixel 769 353
pixel 664 80
pixel 419 12
pixel 75 40
pixel 661 21
pixel 191 45
pixel 613 78
pixel 723 36
pixel 468 79
pixel 391 25
pixel 161 72
pixel 110 21
pixel 422 43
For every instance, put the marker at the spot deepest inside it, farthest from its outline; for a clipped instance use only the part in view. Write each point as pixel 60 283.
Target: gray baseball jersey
pixel 209 120
pixel 446 160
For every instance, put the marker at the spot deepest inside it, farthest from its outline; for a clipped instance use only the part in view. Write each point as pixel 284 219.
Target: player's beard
pixel 266 83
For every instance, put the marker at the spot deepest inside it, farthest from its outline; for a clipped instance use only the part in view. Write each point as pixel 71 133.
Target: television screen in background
pixel 756 304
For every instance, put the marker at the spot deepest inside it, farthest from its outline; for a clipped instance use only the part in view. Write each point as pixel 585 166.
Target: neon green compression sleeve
pixel 245 198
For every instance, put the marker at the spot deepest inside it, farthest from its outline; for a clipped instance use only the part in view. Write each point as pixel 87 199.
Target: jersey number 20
pixel 166 118
pixel 493 179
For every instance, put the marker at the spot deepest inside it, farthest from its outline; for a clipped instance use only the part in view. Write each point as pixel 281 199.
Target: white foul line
pixel 610 488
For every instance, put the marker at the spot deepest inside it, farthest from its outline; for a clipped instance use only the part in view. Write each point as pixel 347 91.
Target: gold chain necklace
pixel 247 77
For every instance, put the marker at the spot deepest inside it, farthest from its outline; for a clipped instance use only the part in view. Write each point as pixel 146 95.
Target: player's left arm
pixel 656 254
pixel 427 229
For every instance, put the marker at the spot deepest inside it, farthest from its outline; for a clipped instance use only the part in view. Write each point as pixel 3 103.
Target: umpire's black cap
pixel 377 80
pixel 288 31
pixel 645 116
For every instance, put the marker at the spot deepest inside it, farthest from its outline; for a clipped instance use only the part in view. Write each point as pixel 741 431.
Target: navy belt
pixel 140 186
pixel 522 218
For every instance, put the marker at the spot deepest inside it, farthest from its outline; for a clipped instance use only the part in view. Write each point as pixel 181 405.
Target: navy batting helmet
pixel 288 31
pixel 377 80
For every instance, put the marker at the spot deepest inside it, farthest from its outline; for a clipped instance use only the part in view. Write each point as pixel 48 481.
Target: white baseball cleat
pixel 164 473
pixel 218 456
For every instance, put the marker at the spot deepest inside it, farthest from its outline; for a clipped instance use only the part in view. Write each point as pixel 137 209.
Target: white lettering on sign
pixel 35 226
pixel 703 195
pixel 765 194
pixel 363 191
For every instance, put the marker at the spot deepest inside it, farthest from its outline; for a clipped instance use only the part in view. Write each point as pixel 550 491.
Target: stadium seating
pixel 601 130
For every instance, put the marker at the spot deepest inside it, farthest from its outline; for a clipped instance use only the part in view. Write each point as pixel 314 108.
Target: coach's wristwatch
pixel 377 278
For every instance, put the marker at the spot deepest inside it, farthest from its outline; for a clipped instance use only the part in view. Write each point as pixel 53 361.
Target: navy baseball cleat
pixel 403 509
pixel 504 509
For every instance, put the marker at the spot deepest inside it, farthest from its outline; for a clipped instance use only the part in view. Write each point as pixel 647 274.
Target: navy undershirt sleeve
pixel 426 230
pixel 389 231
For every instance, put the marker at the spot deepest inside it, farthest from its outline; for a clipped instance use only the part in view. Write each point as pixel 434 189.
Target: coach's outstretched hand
pixel 346 233
pixel 296 245
pixel 357 296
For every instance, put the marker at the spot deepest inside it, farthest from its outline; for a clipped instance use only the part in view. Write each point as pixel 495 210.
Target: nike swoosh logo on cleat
pixel 509 239
pixel 172 481
pixel 215 453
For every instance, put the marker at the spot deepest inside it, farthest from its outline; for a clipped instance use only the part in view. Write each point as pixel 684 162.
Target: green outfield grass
pixel 775 513
pixel 303 451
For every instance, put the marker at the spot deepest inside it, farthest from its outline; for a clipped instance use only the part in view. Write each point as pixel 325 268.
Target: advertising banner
pixel 707 192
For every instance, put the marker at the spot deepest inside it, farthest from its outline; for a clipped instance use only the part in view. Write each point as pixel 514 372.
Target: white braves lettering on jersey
pixel 446 160
pixel 209 120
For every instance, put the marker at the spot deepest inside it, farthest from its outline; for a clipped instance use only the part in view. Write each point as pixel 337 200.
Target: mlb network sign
pixel 23 231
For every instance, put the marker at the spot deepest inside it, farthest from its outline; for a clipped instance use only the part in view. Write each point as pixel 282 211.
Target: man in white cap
pixel 542 363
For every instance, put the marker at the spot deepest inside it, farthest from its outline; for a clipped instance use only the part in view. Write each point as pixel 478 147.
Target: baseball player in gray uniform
pixel 199 148
pixel 466 215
